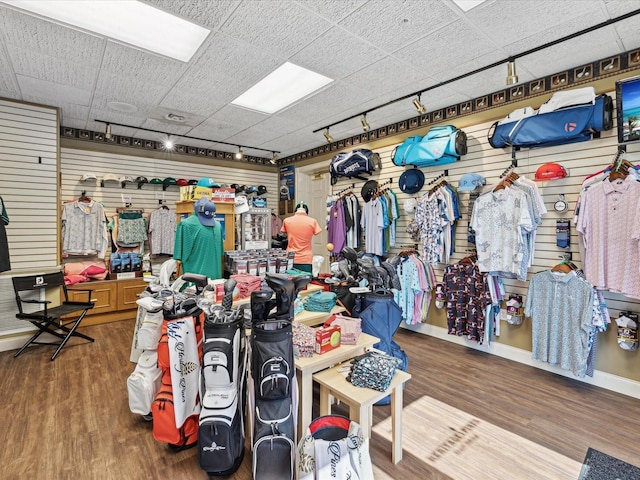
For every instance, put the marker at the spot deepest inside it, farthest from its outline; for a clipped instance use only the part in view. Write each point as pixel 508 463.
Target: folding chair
pixel 49 319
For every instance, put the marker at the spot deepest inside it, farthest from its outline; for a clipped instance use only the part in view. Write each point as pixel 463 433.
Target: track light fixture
pixel 419 105
pixel 365 125
pixel 168 144
pixel 512 77
pixel 274 159
pixel 328 136
pixel 239 154
pixel 168 136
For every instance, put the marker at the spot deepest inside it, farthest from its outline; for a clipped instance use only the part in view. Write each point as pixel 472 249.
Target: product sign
pixel 287 182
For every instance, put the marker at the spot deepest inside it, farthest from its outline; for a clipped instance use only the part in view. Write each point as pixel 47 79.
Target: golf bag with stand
pixel 272 384
pixel 176 406
pixel 221 433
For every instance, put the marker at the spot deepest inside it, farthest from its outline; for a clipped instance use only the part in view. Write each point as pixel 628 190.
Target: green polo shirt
pixel 199 248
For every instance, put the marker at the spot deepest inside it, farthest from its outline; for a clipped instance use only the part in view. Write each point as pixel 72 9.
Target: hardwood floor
pixel 69 419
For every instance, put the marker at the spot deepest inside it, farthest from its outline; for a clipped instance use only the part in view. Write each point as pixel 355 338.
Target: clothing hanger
pixel 83 197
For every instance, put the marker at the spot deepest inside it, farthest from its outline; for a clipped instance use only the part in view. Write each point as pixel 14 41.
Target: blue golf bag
pixel 441 145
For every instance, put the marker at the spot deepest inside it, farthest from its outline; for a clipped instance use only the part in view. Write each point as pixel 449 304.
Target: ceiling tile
pixel 253 22
pixel 628 33
pixel 207 14
pixel 37 35
pixel 332 11
pixel 140 65
pixel 226 68
pixel 35 87
pixel 559 57
pixel 128 89
pixel 336 54
pixel 507 22
pixel 444 67
pixel 53 69
pixel 203 105
pixel 392 24
pixel 166 127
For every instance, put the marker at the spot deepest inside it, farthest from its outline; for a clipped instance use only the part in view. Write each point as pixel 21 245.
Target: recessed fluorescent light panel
pixel 467 5
pixel 284 86
pixel 128 21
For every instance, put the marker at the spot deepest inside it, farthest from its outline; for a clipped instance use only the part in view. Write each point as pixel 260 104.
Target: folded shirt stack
pixel 320 302
pixel 350 328
pixel 246 284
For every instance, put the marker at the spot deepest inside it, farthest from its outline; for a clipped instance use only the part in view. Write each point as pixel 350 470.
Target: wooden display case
pixel 114 299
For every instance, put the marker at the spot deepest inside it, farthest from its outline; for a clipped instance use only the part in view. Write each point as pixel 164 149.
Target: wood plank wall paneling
pixel 75 163
pixel 28 168
pixel 580 159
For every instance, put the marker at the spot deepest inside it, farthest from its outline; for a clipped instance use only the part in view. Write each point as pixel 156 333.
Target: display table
pixel 306 367
pixel 361 400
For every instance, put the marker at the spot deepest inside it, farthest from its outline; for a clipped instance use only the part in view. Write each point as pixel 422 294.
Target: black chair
pixel 49 319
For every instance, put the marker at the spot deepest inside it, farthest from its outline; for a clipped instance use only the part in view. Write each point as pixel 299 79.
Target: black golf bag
pixel 273 387
pixel 223 396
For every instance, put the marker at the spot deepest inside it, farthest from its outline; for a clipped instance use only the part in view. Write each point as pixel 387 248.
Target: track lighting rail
pixel 507 60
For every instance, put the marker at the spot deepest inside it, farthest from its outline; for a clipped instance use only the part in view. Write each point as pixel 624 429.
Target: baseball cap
pixel 262 189
pixel 302 205
pixel 155 181
pixel 141 180
pixel 471 181
pixel 126 179
pixel 241 205
pixel 206 210
pixel 168 182
pixel 109 177
pixel 207 182
pixel 251 189
pixel 411 181
pixel 88 176
pixel 192 181
pixel 182 182
pixel 410 205
pixel 368 189
pixel 550 171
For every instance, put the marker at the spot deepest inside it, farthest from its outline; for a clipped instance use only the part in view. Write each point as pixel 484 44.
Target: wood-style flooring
pixel 69 419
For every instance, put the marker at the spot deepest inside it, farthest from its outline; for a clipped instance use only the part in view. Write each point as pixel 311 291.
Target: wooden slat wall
pixel 581 159
pixel 28 166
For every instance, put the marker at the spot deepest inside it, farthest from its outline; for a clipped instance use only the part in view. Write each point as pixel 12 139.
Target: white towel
pixel 185 368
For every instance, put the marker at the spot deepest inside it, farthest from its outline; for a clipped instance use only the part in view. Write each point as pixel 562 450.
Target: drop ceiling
pixel 375 50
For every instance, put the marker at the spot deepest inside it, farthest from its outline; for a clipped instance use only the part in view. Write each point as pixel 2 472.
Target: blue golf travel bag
pixel 440 145
pixel 568 117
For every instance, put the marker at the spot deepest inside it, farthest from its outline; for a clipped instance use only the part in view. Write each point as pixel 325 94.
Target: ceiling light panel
pixel 128 21
pixel 467 5
pixel 281 88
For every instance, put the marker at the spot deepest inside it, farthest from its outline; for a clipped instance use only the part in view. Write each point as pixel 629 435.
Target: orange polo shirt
pixel 300 229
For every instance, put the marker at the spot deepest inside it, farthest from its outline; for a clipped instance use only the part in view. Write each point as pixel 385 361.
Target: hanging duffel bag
pixel 353 164
pixel 441 145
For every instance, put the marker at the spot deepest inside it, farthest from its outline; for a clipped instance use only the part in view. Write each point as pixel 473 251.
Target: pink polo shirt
pixel 610 221
pixel 300 229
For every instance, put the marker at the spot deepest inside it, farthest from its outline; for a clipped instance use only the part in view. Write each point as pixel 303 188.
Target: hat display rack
pixel 439 177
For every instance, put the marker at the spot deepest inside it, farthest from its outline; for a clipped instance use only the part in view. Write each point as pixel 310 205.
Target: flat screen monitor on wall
pixel 628 109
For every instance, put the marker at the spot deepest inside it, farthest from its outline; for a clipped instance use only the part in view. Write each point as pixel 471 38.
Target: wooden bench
pixel 360 402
